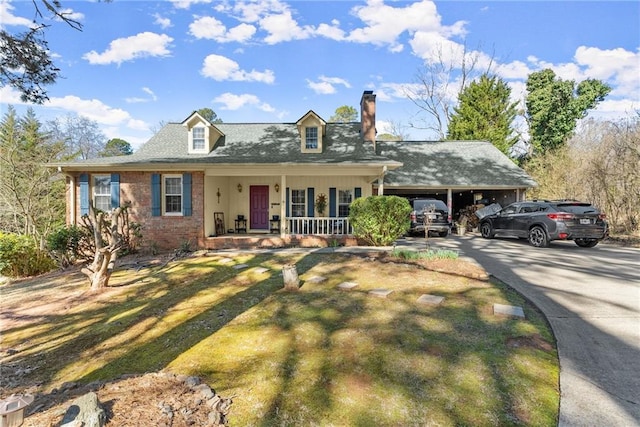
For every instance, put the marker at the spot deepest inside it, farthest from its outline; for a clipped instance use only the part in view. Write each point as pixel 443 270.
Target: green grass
pixel 429 254
pixel 318 356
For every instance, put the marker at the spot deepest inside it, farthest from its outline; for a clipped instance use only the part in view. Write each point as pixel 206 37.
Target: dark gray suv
pixel 431 213
pixel 543 221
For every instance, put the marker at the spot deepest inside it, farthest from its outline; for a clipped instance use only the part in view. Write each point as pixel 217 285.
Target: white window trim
pixel 164 195
pixel 339 203
pixel 94 188
pixel 318 148
pixel 304 210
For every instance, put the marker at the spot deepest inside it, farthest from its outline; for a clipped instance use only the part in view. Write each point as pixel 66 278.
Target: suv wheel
pixel 586 243
pixel 486 231
pixel 538 237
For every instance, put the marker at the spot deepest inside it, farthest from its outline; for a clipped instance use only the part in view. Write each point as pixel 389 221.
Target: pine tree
pixel 484 112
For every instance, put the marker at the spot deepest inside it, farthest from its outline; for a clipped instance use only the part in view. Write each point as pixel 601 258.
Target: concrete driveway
pixel 591 298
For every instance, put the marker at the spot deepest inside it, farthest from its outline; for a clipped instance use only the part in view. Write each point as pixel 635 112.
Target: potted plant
pixel 321 203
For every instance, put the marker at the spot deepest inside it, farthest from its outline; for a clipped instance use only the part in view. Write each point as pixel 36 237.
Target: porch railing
pixel 318 225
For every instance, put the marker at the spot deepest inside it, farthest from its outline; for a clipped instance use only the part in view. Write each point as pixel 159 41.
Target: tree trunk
pixel 100 270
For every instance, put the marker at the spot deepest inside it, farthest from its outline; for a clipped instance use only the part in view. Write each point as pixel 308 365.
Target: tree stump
pixel 290 276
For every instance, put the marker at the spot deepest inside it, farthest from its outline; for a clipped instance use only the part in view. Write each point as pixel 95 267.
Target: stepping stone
pixel 347 285
pixel 430 299
pixel 508 310
pixel 225 260
pixel 316 279
pixel 382 293
pixel 261 270
pixel 240 266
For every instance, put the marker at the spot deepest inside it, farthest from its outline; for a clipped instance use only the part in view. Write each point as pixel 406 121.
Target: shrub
pixel 380 220
pixel 20 257
pixel 68 244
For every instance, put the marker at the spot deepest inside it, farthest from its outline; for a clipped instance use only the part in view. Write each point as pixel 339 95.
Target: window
pixel 102 192
pixel 173 194
pixel 311 140
pixel 298 203
pixel 345 197
pixel 198 138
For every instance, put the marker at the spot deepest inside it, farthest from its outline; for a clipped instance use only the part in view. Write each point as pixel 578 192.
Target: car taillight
pixel 560 216
pixel 602 216
pixel 413 217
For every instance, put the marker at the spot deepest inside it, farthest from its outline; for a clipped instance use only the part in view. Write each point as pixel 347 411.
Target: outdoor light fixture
pixel 277 187
pixel 239 188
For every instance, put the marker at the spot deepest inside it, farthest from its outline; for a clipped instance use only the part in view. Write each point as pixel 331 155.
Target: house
pixel 201 182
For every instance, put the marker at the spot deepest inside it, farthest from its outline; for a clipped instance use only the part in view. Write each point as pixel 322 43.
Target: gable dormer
pixel 202 134
pixel 311 128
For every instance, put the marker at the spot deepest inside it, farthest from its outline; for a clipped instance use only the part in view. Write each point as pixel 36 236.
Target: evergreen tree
pixel 484 112
pixel 554 106
pixel 344 114
pixel 116 147
pixel 209 115
pixel 32 197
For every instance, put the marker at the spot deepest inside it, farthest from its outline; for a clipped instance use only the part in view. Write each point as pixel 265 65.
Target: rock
pixel 85 411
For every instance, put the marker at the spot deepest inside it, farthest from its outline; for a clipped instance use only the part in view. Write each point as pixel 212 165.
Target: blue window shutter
pixel 357 193
pixel 288 195
pixel 310 207
pixel 84 194
pixel 155 195
pixel 332 203
pixel 115 190
pixel 186 194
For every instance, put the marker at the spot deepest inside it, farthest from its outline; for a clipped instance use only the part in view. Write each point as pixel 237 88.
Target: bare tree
pixel 99 272
pixel 82 136
pixel 439 82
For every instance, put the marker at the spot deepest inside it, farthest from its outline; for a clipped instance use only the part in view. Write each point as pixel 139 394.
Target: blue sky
pixel 138 63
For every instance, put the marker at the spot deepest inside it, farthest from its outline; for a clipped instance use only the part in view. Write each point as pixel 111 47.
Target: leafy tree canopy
pixel 554 106
pixel 116 147
pixel 484 112
pixel 209 115
pixel 26 63
pixel 344 114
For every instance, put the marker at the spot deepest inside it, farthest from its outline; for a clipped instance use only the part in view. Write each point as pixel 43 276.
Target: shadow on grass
pixel 344 358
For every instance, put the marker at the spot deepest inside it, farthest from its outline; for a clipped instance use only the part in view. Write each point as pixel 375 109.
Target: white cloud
pixel 136 100
pixel 283 27
pixel 326 85
pixel 221 68
pixel 129 48
pixel 619 67
pixel 186 4
pixel 7 18
pixel 164 23
pixel 332 31
pixel 70 14
pixel 231 101
pixel 385 23
pixel 209 27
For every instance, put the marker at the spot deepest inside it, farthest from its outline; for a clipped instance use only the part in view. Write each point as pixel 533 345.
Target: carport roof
pixel 447 164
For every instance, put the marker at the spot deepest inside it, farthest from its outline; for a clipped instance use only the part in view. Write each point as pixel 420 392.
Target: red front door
pixel 259 207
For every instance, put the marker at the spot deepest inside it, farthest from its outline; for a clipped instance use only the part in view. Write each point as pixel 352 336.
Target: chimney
pixel 368 116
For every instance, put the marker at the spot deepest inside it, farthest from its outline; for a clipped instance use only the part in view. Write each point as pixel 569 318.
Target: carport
pixel 460 173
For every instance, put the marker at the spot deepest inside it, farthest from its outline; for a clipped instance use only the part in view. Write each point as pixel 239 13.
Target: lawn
pixel 316 356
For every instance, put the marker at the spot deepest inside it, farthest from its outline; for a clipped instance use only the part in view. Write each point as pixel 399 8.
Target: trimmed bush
pixel 20 257
pixel 380 220
pixel 68 244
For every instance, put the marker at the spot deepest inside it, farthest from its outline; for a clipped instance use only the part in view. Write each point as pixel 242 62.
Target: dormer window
pixel 198 138
pixel 311 129
pixel 202 135
pixel 311 138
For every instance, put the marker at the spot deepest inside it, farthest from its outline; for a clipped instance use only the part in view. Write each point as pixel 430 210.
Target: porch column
pixel 283 204
pixel 381 181
pixel 450 204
